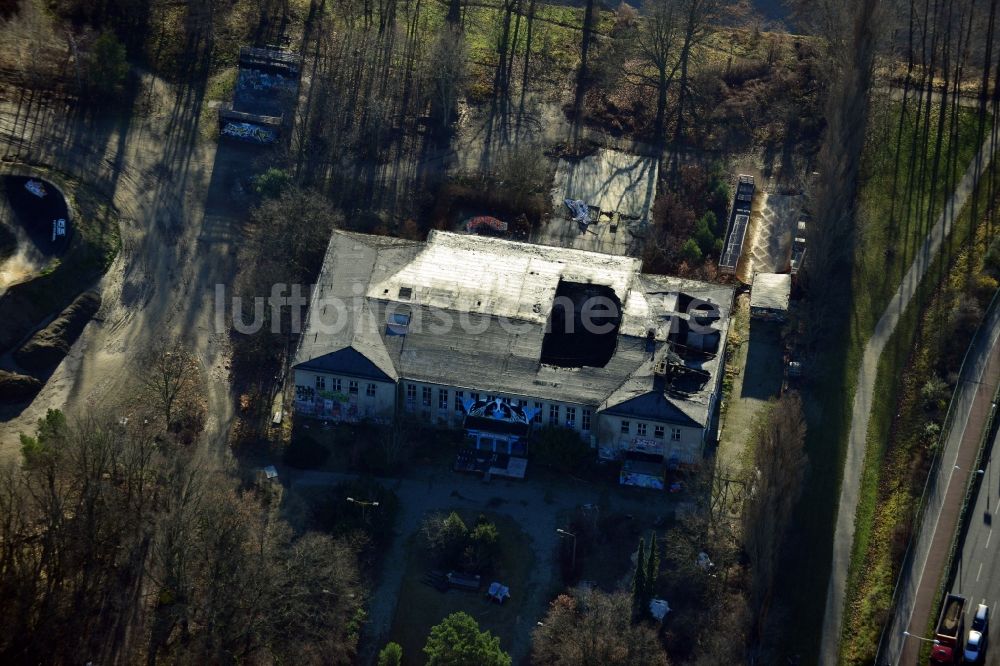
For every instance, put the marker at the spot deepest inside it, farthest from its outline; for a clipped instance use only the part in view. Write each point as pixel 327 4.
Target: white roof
pixel 478 274
pixel 771 291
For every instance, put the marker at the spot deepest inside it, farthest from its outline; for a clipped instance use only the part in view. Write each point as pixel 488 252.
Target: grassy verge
pixel 421 606
pixel 901 195
pixel 904 427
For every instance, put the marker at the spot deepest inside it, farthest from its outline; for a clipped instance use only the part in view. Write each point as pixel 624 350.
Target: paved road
pixel 856 447
pixel 978 577
pixel 922 573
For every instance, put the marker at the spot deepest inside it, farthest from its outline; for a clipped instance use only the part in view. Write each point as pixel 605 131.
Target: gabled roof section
pixel 340 318
pixel 645 395
pixel 348 361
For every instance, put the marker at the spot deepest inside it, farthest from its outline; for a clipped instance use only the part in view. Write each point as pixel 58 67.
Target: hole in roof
pixel 406 293
pixel 385 291
pixel 582 329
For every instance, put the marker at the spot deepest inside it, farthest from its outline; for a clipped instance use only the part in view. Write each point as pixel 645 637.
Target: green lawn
pixel 901 195
pixel 421 606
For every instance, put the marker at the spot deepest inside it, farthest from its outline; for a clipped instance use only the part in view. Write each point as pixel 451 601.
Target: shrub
pixel 304 452
pixel 391 655
pixel 332 512
pixel 272 183
pixel 447 537
pixel 484 547
pixel 562 449
pixel 704 234
pixel 691 252
pixel 107 66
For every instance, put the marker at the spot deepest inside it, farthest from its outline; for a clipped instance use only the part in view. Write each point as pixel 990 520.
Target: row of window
pixel 352 386
pixel 555 410
pixel 658 431
pixel 426 395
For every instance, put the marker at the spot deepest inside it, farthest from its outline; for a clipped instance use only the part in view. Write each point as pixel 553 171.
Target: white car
pixel 974 646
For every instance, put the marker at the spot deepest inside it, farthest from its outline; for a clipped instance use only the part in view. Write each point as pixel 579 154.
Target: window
pixel 370 390
pixel 442 398
pixel 475 397
pixel 522 403
pixel 353 386
pixel 675 434
pixel 426 396
pixel 626 427
pixel 411 392
pixel 658 432
pixel 459 397
pixel 640 429
pixel 537 418
pixel 570 416
pixel 585 420
pixel 553 414
pixel 320 383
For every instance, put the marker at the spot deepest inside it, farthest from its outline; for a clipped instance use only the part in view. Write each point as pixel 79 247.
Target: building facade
pixel 499 338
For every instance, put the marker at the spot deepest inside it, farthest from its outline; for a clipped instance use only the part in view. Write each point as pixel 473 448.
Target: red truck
pixel 950 631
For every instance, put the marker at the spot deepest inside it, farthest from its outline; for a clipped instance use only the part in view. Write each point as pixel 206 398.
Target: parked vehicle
pixel 949 632
pixel 975 645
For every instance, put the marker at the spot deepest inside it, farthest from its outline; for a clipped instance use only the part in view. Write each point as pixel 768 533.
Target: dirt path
pixel 843 539
pixel 179 232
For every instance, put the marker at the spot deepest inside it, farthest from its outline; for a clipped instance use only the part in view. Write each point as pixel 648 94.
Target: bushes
pixel 304 452
pixel 330 511
pixel 562 449
pixel 454 546
pixel 690 251
pixel 106 64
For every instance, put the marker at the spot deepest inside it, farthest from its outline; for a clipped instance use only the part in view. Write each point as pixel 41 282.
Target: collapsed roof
pixel 473 312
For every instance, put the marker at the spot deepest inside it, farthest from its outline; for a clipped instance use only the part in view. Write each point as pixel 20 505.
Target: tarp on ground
pixel 578 209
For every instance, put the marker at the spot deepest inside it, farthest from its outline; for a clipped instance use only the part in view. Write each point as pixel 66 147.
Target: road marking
pixel 979 572
pixel 988 535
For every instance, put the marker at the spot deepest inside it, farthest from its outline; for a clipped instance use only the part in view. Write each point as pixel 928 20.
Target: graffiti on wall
pixel 249 132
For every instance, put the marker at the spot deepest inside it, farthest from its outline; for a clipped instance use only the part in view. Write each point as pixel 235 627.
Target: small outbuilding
pixel 769 296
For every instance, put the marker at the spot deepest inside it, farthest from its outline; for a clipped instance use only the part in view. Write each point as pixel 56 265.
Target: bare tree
pixel 593 628
pixel 658 39
pixel 779 468
pixel 448 69
pixel 28 42
pixel 170 378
